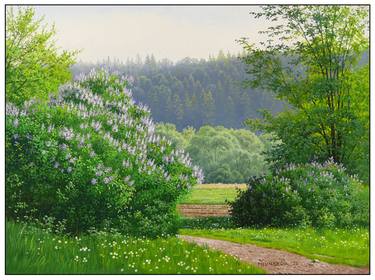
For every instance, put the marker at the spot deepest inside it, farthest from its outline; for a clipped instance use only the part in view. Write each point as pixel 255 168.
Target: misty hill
pixel 193 92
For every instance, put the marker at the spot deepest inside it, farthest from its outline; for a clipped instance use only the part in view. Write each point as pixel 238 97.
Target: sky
pixel 173 32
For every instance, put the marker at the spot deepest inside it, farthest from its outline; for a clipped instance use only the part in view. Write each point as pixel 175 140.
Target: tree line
pixel 225 155
pixel 192 92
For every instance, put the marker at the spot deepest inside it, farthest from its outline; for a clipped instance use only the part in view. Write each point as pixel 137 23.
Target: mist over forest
pixel 192 92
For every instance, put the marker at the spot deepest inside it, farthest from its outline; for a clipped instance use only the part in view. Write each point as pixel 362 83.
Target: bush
pixel 207 223
pixel 90 158
pixel 320 195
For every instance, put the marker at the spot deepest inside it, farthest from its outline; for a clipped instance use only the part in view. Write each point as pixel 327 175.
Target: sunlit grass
pixel 33 251
pixel 345 246
pixel 212 194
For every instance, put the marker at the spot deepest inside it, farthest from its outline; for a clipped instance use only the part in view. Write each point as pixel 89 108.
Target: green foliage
pixel 207 223
pixel 359 151
pixel 30 250
pixel 268 203
pixel 225 155
pixel 34 65
pixel 193 92
pixel 297 134
pixel 312 61
pixel 90 159
pixel 342 246
pixel 179 140
pixel 320 195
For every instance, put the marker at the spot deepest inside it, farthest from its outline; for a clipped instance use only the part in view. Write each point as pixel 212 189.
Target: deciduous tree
pixel 309 60
pixel 34 65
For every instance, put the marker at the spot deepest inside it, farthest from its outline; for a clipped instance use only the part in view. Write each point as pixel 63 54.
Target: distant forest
pixel 192 92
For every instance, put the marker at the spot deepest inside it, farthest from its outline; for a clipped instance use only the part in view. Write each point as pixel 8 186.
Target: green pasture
pixel 212 194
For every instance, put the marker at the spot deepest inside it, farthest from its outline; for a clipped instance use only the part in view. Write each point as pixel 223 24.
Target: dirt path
pixel 275 261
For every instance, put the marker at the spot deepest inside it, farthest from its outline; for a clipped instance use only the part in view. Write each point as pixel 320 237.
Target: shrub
pixel 207 223
pixel 320 195
pixel 91 158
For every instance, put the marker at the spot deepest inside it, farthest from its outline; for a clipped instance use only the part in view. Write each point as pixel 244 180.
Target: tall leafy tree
pixel 309 60
pixel 34 65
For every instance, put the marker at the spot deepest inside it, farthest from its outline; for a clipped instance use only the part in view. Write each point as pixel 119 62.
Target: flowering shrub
pixel 90 158
pixel 320 195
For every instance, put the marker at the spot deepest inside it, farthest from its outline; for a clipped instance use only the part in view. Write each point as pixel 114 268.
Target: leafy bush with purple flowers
pixel 312 194
pixel 90 159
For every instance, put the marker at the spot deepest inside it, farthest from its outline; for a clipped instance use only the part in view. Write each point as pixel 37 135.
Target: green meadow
pixel 31 250
pixel 343 246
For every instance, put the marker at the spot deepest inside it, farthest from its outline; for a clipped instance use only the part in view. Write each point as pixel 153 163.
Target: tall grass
pixel 31 250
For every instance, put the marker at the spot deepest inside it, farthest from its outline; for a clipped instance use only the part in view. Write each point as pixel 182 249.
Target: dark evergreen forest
pixel 193 92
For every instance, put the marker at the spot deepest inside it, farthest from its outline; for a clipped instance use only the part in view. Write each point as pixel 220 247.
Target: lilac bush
pixel 90 158
pixel 310 194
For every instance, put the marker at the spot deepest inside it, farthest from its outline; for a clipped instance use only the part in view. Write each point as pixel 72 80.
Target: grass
pixel 212 194
pixel 342 246
pixel 30 250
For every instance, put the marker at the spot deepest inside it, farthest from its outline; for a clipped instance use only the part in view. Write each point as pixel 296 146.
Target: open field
pixel 212 194
pixel 209 200
pixel 339 246
pixel 203 210
pixel 32 251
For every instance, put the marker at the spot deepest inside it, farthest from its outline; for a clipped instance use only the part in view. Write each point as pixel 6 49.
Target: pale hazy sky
pixel 172 32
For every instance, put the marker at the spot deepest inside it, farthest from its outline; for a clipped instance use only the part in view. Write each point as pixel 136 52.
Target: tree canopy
pixel 314 58
pixel 193 92
pixel 225 155
pixel 34 65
